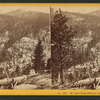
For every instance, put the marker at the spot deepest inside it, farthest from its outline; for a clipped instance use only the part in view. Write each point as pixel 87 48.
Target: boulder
pixel 25 87
pixel 98 88
pixel 44 83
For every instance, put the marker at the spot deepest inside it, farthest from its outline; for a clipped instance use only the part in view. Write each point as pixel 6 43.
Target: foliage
pixel 61 36
pixel 38 57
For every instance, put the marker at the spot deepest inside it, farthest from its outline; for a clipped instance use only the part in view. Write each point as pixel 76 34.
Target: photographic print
pixel 75 52
pixel 51 49
pixel 25 48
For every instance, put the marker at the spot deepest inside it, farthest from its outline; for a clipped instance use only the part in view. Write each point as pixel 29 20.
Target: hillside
pixel 13 23
pixel 14 26
pixel 85 25
pixel 80 62
pixel 20 31
pixel 95 13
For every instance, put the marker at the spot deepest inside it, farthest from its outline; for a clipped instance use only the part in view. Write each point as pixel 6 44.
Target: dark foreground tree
pixel 27 69
pixel 17 71
pixel 48 64
pixel 61 36
pixel 38 57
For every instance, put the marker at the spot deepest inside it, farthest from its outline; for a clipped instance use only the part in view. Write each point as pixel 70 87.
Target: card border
pixel 51 92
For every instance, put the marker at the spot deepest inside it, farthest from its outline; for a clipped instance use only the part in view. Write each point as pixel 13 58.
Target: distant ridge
pixel 95 13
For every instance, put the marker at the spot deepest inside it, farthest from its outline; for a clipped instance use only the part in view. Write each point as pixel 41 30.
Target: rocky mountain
pixel 16 25
pixel 22 51
pixel 86 28
pixel 19 34
pixel 85 25
pixel 95 13
pixel 25 14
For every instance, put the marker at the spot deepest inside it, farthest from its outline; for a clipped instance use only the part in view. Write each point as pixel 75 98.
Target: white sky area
pixel 79 9
pixel 46 9
pixel 5 9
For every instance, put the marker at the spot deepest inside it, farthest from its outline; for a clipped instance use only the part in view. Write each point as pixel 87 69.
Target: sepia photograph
pixel 49 48
pixel 25 47
pixel 75 47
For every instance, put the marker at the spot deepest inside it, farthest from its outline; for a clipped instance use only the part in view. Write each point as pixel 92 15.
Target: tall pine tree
pixel 38 57
pixel 61 36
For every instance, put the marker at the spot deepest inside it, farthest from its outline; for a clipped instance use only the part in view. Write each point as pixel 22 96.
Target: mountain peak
pixel 16 12
pixel 95 13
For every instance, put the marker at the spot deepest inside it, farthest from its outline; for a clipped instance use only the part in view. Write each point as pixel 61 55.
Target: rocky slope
pixel 19 34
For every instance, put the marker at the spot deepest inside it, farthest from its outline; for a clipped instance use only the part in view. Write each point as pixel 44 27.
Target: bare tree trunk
pixel 89 73
pixel 52 77
pixel 89 76
pixel 61 75
pixel 5 70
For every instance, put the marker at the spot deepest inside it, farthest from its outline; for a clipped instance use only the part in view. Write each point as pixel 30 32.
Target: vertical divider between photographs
pixel 50 45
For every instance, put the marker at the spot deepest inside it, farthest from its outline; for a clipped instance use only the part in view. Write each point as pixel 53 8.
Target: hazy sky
pixel 80 9
pixel 4 9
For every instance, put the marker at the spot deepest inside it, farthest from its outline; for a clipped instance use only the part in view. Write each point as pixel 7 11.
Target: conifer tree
pixel 17 71
pixel 38 57
pixel 61 36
